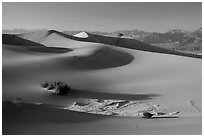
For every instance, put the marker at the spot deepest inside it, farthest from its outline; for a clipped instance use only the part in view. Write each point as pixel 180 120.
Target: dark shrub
pixel 147 115
pixel 44 85
pixel 51 86
pixel 58 87
pixel 62 89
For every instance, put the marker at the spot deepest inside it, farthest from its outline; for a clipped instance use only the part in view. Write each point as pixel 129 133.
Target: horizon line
pixel 100 31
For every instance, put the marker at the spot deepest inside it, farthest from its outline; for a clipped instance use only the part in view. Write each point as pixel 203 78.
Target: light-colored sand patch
pixel 81 35
pixel 115 107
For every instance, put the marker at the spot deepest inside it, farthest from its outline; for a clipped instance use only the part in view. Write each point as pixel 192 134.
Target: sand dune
pixel 56 40
pixel 36 36
pixel 94 56
pixel 20 44
pixel 17 41
pixel 97 70
pixel 49 37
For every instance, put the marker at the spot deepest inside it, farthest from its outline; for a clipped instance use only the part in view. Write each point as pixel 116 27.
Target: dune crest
pixel 57 40
pixel 104 57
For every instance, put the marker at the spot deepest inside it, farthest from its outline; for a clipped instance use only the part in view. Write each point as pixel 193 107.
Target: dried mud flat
pixel 118 108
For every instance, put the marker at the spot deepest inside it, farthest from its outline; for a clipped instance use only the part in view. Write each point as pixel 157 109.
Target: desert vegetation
pixel 57 87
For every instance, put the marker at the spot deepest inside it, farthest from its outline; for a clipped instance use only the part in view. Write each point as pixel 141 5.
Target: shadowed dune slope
pixel 43 113
pixel 75 93
pixel 101 58
pixel 87 56
pixel 134 44
pixel 17 41
pixel 23 45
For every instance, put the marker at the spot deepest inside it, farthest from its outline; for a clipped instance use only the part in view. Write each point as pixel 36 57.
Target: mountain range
pixel 175 39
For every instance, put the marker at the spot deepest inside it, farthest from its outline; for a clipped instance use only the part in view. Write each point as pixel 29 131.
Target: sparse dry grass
pixel 58 87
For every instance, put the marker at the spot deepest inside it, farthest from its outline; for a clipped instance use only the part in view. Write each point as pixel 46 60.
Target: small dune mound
pixel 104 57
pixel 81 35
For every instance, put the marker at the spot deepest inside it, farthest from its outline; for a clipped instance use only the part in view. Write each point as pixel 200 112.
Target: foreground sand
pixel 105 72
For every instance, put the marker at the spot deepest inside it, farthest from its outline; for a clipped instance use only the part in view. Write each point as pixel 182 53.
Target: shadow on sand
pixel 165 117
pixel 32 113
pixel 102 58
pixel 75 93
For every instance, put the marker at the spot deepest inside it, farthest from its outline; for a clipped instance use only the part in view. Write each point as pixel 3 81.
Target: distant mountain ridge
pixel 174 35
pixel 175 39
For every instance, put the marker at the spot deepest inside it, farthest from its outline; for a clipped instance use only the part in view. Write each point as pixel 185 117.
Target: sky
pixel 105 17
